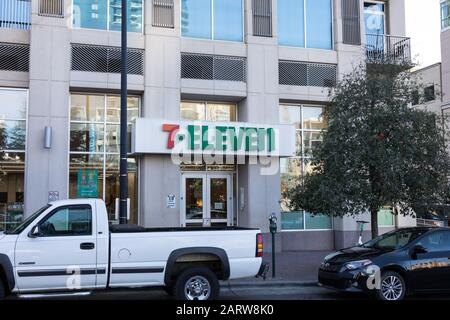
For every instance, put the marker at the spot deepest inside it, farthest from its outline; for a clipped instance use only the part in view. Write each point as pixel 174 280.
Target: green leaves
pixel 377 151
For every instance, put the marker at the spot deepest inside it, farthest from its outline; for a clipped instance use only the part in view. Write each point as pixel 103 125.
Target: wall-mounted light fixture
pixel 48 137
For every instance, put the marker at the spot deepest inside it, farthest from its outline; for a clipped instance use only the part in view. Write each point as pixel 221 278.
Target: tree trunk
pixel 374 222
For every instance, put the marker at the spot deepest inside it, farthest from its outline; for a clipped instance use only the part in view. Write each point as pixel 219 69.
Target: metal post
pixel 123 120
pixel 273 254
pixel 273 230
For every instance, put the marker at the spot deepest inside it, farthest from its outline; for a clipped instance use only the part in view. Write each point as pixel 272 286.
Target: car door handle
pixel 87 246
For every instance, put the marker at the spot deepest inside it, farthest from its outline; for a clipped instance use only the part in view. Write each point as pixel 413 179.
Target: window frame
pixel 385 24
pixel 69 206
pixel 442 19
pixel 212 25
pixel 108 29
pixel 303 158
pixel 205 103
pixel 23 152
pixel 103 154
pixel 305 32
pixel 394 224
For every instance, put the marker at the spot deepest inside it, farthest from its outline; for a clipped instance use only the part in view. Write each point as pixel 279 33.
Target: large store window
pixel 95 148
pixel 309 123
pixel 305 23
pixel 208 111
pixel 106 14
pixel 445 14
pixel 212 19
pixel 13 123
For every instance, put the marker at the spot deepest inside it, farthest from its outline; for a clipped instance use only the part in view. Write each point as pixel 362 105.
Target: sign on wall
pixel 159 136
pixel 87 185
pixel 171 202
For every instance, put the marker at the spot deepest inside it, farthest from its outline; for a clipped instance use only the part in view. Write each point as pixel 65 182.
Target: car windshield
pixel 28 221
pixel 395 239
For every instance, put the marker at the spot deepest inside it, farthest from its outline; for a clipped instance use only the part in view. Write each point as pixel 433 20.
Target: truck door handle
pixel 87 246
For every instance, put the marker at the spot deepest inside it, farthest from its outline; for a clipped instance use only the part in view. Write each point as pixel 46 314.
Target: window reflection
pixel 206 111
pixel 95 147
pixel 212 19
pixel 13 120
pixel 309 123
pixel 93 14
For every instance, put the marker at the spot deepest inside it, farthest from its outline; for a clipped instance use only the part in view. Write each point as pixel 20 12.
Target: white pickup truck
pixel 69 246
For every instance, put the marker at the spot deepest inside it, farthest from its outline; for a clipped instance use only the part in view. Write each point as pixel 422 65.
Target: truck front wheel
pixel 197 284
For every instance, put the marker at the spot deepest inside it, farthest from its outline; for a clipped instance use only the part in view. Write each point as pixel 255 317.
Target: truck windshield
pixel 394 240
pixel 28 221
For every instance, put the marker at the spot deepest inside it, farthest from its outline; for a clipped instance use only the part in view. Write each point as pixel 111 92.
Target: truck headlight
pixel 355 265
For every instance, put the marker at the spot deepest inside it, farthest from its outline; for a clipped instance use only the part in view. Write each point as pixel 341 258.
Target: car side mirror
pixel 419 249
pixel 34 233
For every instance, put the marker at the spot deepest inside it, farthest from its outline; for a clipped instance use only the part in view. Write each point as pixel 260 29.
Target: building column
pixel 47 169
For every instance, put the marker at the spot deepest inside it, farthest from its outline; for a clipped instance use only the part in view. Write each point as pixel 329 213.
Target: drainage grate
pixel 105 59
pixel 295 73
pixel 14 57
pixel 212 67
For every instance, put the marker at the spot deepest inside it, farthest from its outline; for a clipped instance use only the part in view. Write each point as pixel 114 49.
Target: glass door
pixel 374 17
pixel 193 209
pixel 206 200
pixel 219 199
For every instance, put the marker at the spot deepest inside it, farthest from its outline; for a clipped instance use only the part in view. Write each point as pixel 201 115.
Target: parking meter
pixel 273 231
pixel 273 223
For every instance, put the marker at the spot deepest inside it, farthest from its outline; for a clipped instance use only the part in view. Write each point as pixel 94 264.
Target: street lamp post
pixel 123 200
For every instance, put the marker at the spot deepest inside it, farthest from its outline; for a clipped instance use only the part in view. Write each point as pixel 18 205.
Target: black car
pixel 393 265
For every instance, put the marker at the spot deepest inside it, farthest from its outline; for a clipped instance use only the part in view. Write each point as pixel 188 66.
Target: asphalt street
pixel 246 293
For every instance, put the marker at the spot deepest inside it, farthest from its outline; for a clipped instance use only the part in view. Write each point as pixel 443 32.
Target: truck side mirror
pixel 34 233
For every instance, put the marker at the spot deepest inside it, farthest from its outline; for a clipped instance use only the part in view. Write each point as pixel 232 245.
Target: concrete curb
pixel 268 283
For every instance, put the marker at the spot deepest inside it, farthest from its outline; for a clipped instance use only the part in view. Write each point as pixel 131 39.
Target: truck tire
pixel 393 287
pixel 2 290
pixel 197 283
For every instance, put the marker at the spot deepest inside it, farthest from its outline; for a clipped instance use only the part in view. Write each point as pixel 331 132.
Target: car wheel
pixel 196 284
pixel 392 287
pixel 2 290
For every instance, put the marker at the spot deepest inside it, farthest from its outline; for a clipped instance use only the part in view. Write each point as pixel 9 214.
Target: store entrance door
pixel 206 199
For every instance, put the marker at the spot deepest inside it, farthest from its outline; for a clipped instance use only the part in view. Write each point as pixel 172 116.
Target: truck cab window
pixel 67 221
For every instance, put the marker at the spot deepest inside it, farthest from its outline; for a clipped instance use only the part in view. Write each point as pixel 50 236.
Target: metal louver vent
pixel 163 13
pixel 212 67
pixel 51 8
pixel 14 57
pixel 351 28
pixel 262 18
pixel 92 58
pixel 295 73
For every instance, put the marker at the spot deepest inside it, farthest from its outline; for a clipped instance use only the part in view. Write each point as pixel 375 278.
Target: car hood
pixel 353 254
pixel 2 234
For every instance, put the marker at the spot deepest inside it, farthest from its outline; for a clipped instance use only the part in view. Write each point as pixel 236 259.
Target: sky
pixel 423 27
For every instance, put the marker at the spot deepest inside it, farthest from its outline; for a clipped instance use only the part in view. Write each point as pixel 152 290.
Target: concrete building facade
pixel 242 63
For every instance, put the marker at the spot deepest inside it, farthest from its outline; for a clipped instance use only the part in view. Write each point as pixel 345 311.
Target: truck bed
pixel 131 228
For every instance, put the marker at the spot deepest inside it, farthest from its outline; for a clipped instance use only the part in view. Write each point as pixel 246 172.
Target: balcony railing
pixel 15 14
pixel 388 49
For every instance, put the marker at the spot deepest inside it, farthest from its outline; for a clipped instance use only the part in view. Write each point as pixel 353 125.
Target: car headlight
pixel 355 265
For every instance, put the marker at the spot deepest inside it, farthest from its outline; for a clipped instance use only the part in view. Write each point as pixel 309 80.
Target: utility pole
pixel 123 200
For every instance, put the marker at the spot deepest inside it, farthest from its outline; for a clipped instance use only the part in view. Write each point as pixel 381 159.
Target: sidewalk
pixel 292 269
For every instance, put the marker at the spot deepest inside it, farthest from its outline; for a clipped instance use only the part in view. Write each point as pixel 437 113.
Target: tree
pixel 377 150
